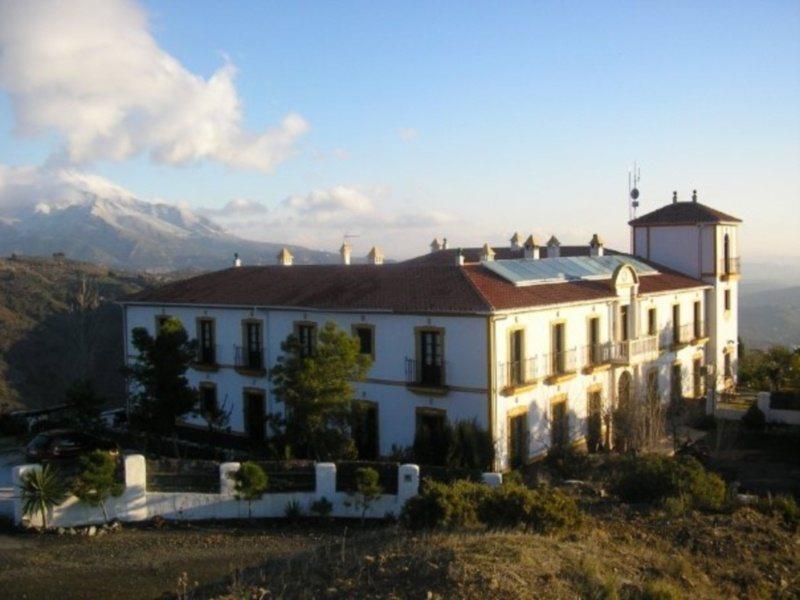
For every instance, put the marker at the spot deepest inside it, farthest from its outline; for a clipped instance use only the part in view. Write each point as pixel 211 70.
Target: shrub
pixel 660 590
pixel 292 511
pixel 444 505
pixel 677 506
pixel 552 510
pixel 507 505
pixel 571 463
pixel 322 507
pixel 706 423
pixel 368 489
pixel 653 478
pixel 471 447
pixel 41 490
pixel 250 483
pixel 785 506
pixel 754 419
pixel 592 583
pixel 97 481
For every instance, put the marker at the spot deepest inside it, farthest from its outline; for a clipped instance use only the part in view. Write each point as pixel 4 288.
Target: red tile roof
pixel 684 213
pixel 473 255
pixel 400 287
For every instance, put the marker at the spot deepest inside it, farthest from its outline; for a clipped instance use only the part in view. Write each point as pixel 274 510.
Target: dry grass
pixel 618 555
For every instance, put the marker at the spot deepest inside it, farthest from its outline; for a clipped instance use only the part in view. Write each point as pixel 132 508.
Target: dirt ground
pixel 142 562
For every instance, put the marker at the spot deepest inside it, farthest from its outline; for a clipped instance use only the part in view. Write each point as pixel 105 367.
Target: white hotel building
pixel 535 343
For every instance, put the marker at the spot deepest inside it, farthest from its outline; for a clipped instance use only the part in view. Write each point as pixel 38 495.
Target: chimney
pixel 553 247
pixel 436 245
pixel 285 258
pixel 237 262
pixel 459 258
pixel 694 195
pixel 595 246
pixel 345 252
pixel 532 248
pixel 444 243
pixel 674 197
pixel 515 241
pixel 375 256
pixel 487 254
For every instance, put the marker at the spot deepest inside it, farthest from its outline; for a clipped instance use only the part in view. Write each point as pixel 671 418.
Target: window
pixel 366 339
pixel 430 363
pixel 364 429
pixel 697 377
pixel 205 335
pixel 726 254
pixel 252 353
pixel 676 323
pixel 624 334
pixel 698 320
pixel 652 323
pixel 517 439
pixel 558 363
pixel 208 399
pixel 594 422
pixel 559 428
pixel 676 383
pixel 516 373
pixel 727 299
pixel 307 336
pixel 595 357
pixel 728 368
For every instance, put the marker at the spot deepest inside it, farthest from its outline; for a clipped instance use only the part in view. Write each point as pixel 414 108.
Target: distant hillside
pixel 769 316
pixel 58 323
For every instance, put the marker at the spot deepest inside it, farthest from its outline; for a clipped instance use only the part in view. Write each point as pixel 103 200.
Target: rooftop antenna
pixel 633 190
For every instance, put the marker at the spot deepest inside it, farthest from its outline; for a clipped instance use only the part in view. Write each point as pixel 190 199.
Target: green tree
pixel 471 446
pixel 250 483
pixel 775 369
pixel 162 393
pixel 86 402
pixel 368 489
pixel 41 490
pixel 317 392
pixel 97 481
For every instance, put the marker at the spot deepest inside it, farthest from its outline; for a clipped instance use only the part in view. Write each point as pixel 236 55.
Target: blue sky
pixel 485 117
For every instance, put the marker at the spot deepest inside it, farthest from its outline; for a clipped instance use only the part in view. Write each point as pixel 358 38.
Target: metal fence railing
pixel 250 358
pixel 181 475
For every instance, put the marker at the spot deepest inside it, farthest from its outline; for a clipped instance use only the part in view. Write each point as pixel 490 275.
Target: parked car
pixel 65 444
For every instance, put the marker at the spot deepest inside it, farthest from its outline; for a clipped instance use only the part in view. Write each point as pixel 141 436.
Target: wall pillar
pixel 492 480
pixel 407 483
pixel 133 502
pixel 226 482
pixel 326 481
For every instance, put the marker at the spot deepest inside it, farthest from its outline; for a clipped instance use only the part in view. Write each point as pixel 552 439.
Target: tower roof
pixel 684 213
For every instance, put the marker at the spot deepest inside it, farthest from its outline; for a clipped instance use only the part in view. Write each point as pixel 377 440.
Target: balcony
pixel 518 376
pixel 729 267
pixel 596 357
pixel 561 366
pixel 699 333
pixel 426 377
pixel 641 349
pixel 250 361
pixel 206 358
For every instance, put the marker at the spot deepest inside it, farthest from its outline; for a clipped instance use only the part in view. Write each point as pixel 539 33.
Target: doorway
pixel 594 425
pixel 255 414
pixel 517 439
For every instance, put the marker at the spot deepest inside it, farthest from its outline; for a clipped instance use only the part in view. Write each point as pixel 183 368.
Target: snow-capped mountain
pixel 88 218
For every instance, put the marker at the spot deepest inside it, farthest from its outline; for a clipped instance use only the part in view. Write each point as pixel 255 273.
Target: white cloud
pixel 237 207
pixel 91 71
pixel 407 134
pixel 334 204
pixel 35 189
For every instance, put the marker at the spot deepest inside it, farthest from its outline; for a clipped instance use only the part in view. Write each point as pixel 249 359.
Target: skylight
pixel 526 271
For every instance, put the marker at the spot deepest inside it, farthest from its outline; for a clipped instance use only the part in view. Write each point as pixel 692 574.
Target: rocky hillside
pixel 58 322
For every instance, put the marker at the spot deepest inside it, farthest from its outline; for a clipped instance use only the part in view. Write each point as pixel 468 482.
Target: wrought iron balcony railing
pixel 207 356
pixel 249 358
pixel 518 372
pixel 561 363
pixel 425 373
pixel 729 266
pixel 595 355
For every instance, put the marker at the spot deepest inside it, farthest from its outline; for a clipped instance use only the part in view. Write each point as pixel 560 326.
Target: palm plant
pixel 41 490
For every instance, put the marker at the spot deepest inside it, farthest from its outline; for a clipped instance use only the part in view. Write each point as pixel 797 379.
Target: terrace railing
pixel 430 374
pixel 249 358
pixel 518 372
